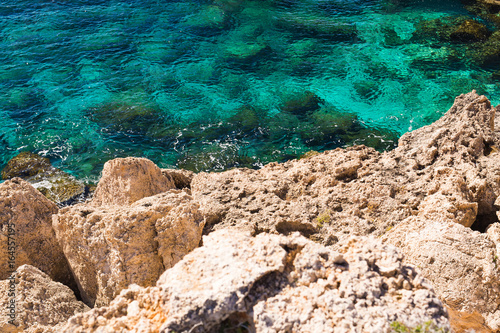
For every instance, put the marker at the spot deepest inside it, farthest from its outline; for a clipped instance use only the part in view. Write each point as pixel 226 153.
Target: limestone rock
pixel 26 223
pixel 181 178
pixel 55 184
pixel 41 305
pixel 110 247
pixel 462 264
pixel 275 284
pixel 446 169
pixel 126 180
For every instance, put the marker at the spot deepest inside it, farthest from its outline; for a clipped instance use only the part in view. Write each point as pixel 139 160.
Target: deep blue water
pixel 209 85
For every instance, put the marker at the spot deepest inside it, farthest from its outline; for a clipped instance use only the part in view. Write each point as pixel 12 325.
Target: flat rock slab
pixel 272 283
pixel 462 264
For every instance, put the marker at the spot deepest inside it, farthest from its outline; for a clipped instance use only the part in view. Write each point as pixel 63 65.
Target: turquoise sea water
pixel 209 85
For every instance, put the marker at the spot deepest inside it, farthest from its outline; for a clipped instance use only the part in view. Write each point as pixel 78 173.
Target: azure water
pixel 210 85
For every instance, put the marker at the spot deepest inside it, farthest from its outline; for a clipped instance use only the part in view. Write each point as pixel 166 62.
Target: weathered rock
pixel 467 322
pixel 126 180
pixel 447 171
pixel 275 284
pixel 462 264
pixel 55 184
pixel 26 164
pixel 41 305
pixel 26 225
pixel 110 247
pixel 450 163
pixel 181 178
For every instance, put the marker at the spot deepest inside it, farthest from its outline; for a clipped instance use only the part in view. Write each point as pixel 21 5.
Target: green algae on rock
pixel 57 185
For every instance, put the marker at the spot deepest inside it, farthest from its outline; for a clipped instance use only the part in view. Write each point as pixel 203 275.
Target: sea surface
pixel 211 85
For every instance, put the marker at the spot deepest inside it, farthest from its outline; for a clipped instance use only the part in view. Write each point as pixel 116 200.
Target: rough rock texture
pixel 447 171
pixel 275 284
pixel 26 223
pixel 111 247
pixel 451 163
pixel 462 264
pixel 181 178
pixel 41 304
pixel 126 180
pixel 55 184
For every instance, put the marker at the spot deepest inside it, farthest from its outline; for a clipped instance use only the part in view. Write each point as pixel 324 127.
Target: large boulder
pixel 126 180
pixel 26 234
pixel 462 264
pixel 273 283
pixel 110 247
pixel 32 303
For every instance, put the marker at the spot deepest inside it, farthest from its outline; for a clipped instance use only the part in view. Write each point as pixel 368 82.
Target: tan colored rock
pixel 272 283
pixel 126 180
pixel 448 169
pixel 181 178
pixel 26 225
pixel 111 247
pixel 462 264
pixel 40 304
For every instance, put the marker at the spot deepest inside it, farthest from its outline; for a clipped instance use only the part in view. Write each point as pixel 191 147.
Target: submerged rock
pixel 470 31
pixel 301 104
pixel 455 29
pixel 41 305
pixel 55 184
pixel 275 284
pixel 25 165
pixel 125 117
pixel 26 234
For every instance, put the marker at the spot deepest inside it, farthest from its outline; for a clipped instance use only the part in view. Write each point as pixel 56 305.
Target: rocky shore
pixel 349 240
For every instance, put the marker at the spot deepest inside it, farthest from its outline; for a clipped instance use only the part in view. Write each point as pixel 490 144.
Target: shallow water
pixel 209 85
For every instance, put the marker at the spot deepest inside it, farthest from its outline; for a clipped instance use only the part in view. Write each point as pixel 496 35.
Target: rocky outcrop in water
pixel 273 283
pixel 57 185
pixel 41 305
pixel 447 171
pixel 134 249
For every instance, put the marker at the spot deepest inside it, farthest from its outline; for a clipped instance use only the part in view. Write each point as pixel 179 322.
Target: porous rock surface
pixel 448 171
pixel 126 180
pixel 128 233
pixel 462 264
pixel 273 283
pixel 26 222
pixel 41 305
pixel 447 168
